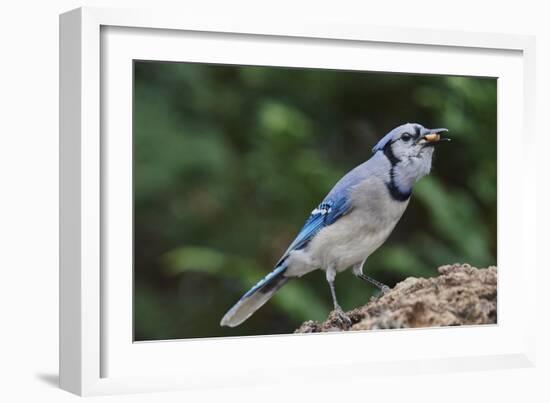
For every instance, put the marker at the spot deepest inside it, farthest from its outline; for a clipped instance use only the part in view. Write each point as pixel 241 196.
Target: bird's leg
pixel 358 271
pixel 383 287
pixel 342 317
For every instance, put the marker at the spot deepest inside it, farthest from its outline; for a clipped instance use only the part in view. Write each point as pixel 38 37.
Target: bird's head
pixel 409 148
pixel 410 140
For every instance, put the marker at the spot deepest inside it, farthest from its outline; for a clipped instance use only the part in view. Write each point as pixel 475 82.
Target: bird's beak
pixel 433 137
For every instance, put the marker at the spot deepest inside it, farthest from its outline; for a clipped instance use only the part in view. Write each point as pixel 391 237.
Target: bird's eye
pixel 406 137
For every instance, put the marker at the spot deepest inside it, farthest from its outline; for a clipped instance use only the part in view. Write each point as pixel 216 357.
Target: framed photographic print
pixel 250 192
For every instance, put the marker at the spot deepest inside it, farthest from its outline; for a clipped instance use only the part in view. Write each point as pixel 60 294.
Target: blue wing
pixel 329 211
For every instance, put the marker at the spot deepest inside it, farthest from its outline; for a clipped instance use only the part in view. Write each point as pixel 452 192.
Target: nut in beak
pixel 432 137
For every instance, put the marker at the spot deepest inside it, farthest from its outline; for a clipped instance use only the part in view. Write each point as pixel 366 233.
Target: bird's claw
pixel 343 319
pixel 385 289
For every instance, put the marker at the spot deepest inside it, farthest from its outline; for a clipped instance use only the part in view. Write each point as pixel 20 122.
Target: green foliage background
pixel 229 161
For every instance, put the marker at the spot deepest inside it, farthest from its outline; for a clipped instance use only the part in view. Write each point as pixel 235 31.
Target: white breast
pixel 355 236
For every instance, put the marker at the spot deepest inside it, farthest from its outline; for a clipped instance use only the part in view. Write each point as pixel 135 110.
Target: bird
pixel 353 220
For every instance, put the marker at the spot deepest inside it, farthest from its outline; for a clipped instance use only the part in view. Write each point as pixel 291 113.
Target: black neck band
pixel 388 152
pixel 395 192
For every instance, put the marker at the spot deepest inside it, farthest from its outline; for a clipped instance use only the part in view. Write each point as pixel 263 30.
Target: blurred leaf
pixel 295 299
pixel 456 219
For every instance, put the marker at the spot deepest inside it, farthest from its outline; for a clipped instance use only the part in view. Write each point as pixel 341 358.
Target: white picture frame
pixel 97 355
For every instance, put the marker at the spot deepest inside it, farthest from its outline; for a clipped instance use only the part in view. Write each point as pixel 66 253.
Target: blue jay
pixel 353 220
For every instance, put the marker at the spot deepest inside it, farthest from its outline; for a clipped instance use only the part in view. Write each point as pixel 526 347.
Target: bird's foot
pixel 385 289
pixel 341 319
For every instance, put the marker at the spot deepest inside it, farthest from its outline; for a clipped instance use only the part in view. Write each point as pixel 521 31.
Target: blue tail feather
pixel 267 282
pixel 256 297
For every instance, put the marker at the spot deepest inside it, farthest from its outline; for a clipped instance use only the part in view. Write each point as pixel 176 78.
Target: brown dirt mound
pixel 460 295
